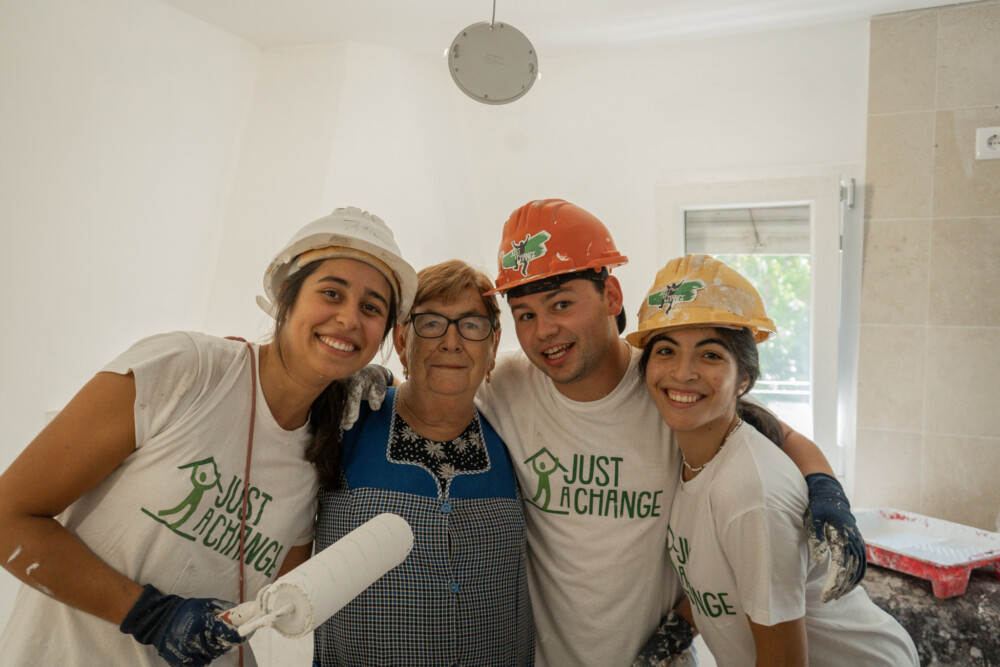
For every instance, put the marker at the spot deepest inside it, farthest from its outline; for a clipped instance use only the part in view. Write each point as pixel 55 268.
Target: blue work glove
pixel 184 631
pixel 831 527
pixel 673 636
pixel 368 384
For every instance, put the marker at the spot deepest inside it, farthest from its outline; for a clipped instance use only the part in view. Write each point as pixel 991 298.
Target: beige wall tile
pixel 894 282
pixel 902 62
pixel 968 62
pixel 960 480
pixel 933 216
pixel 887 470
pixel 963 185
pixel 891 377
pixel 900 169
pixel 965 272
pixel 962 367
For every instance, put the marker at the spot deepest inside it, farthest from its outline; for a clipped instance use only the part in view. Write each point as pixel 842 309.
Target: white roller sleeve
pixel 303 599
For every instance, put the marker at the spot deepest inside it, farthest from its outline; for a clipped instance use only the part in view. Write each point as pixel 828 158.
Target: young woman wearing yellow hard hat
pixel 734 537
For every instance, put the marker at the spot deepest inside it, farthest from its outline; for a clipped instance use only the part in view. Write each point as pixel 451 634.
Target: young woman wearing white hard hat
pixel 190 465
pixel 734 536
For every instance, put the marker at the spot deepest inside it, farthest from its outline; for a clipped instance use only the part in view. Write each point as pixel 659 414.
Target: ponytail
pixel 761 419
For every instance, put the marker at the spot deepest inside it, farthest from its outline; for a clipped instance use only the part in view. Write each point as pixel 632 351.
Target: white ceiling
pixel 555 27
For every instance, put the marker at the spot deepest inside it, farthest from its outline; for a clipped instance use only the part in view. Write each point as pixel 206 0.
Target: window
pixel 770 246
pixel 786 235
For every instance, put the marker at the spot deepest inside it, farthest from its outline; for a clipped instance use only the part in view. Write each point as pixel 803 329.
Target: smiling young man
pixel 593 456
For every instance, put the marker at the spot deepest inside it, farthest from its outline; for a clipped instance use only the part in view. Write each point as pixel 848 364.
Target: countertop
pixel 963 630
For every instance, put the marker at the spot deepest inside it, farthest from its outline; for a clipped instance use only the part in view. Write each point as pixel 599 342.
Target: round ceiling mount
pixel 493 63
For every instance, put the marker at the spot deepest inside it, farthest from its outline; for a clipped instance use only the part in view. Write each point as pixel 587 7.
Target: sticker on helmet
pixel 668 295
pixel 528 250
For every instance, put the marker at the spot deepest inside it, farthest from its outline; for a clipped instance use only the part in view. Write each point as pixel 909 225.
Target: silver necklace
pixel 724 440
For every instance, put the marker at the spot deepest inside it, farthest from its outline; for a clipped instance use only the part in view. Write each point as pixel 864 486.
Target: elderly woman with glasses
pixel 426 454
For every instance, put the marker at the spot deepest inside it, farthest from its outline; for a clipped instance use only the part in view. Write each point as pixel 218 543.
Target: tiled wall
pixel 929 376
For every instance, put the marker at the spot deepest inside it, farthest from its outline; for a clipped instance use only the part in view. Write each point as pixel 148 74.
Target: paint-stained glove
pixel 831 527
pixel 184 631
pixel 368 384
pixel 673 636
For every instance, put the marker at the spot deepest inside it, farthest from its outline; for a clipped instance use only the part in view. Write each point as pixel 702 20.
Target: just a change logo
pixel 211 515
pixel 588 484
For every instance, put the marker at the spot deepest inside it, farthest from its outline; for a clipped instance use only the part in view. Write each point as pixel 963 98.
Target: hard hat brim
pixel 345 228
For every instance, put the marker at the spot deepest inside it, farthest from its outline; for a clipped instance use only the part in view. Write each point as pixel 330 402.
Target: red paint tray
pixel 934 549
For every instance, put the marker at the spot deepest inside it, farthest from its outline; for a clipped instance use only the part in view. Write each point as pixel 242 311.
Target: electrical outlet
pixel 988 143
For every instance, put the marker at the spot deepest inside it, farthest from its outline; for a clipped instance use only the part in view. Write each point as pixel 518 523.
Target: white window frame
pixel 835 220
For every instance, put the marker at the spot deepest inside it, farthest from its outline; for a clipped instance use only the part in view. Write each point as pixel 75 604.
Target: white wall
pixel 147 176
pixel 445 171
pixel 120 130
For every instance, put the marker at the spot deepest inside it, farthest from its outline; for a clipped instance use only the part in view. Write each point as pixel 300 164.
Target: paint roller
pixel 303 599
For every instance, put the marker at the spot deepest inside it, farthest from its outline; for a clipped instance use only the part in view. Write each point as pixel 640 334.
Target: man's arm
pixel 830 525
pixel 805 453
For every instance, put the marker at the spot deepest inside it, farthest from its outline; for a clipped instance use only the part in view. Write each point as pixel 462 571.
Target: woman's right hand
pixel 84 444
pixel 184 631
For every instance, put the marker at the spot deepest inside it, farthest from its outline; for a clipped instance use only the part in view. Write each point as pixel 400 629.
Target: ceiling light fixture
pixel 493 63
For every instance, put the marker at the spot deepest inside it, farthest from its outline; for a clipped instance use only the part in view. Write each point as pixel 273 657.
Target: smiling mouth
pixel 556 352
pixel 338 345
pixel 683 397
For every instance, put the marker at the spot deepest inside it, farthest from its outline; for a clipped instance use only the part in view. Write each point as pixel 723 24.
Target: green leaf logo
pixel 523 253
pixel 668 295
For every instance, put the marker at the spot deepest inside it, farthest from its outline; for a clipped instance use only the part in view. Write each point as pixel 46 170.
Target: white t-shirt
pixel 737 544
pixel 169 514
pixel 597 479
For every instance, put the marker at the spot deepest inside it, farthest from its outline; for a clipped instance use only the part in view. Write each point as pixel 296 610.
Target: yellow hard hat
pixel 700 291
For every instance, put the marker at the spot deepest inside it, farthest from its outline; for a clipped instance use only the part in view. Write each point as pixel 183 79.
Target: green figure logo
pixel 544 464
pixel 525 252
pixel 204 476
pixel 670 294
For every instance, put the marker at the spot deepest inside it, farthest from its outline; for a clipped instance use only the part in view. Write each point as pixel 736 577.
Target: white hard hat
pixel 343 233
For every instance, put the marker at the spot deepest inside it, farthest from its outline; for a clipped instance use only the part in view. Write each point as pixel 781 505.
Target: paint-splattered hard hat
pixel 700 291
pixel 349 233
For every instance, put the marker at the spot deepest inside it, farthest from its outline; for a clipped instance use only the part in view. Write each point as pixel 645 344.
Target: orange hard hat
pixel 549 237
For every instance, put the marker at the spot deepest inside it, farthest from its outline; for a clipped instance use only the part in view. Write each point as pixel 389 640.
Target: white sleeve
pixel 761 545
pixel 167 369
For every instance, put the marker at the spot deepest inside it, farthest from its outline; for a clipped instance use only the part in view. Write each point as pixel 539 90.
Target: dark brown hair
pixel 741 344
pixel 324 448
pixel 597 277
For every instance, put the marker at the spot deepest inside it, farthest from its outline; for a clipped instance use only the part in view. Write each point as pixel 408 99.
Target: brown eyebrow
pixel 555 294
pixel 549 296
pixel 340 281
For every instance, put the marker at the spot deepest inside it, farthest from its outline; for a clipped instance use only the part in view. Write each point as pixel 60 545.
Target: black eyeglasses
pixel 435 325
